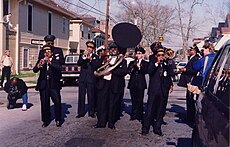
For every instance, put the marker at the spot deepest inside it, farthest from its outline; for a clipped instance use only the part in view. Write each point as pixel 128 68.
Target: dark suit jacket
pixel 137 76
pixel 87 69
pixel 118 77
pixel 54 74
pixel 186 76
pixel 57 52
pixel 160 77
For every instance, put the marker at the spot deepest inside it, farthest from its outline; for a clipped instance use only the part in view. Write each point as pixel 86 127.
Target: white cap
pixel 100 48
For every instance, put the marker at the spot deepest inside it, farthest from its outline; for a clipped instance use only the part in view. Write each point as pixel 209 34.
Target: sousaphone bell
pixel 125 35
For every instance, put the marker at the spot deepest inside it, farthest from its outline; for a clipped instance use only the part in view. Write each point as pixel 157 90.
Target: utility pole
pixel 107 24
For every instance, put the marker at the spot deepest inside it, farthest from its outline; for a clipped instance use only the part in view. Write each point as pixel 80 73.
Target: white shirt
pixel 7 61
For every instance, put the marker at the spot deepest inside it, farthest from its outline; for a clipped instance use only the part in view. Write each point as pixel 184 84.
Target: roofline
pixel 57 8
pixel 81 21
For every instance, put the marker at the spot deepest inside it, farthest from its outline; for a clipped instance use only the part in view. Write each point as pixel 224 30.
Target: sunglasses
pixel 158 55
pixel 50 43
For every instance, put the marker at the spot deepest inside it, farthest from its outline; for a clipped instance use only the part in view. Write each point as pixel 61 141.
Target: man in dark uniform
pixel 49 85
pixel 187 73
pixel 137 83
pixel 57 52
pixel 159 86
pixel 117 85
pixel 89 63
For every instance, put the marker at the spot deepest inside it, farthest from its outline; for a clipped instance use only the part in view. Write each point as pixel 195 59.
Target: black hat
pixel 194 47
pixel 140 49
pixel 160 50
pixel 90 44
pixel 46 48
pixel 49 38
pixel 113 45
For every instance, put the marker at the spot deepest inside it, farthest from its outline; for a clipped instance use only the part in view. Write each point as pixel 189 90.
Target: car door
pixel 214 130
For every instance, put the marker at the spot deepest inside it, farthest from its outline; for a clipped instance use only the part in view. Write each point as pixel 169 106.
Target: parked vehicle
pixel 70 70
pixel 212 107
pixel 180 65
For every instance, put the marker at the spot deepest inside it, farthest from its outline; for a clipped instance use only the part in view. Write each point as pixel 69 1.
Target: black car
pixel 212 107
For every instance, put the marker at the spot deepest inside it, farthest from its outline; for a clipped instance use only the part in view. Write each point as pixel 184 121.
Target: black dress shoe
pixel 45 125
pixel 112 127
pixel 98 126
pixel 144 133
pixel 158 132
pixel 58 123
pixel 92 115
pixel 79 116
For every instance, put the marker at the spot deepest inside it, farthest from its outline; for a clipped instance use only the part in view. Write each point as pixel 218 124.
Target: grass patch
pixel 24 75
pixel 32 82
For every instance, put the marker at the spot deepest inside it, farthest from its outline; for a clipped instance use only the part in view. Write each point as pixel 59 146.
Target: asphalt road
pixel 23 129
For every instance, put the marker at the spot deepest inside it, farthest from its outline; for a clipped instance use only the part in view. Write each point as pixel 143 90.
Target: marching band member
pixel 159 86
pixel 109 101
pixel 87 80
pixel 49 85
pixel 137 83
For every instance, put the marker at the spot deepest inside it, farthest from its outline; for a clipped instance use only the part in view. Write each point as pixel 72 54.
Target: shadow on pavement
pixel 65 111
pixel 180 114
pixel 182 142
pixel 84 142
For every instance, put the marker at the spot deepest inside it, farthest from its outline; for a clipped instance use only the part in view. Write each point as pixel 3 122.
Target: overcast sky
pixel 199 14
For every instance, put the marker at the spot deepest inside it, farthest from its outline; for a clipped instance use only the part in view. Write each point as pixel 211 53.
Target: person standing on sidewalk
pixel 187 73
pixel 6 65
pixel 49 85
pixel 16 88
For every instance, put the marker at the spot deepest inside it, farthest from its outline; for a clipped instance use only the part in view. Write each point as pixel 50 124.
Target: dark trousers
pixel 102 105
pixel 114 105
pixel 154 112
pixel 45 96
pixel 137 96
pixel 190 105
pixel 84 88
pixel 6 70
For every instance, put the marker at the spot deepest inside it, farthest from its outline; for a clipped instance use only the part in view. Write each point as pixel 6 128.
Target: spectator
pixel 6 63
pixel 208 51
pixel 16 89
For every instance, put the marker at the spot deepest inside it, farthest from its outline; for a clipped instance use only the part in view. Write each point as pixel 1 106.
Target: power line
pixel 91 7
pixel 112 19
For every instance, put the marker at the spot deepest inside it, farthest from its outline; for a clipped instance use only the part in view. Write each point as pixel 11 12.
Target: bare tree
pixel 153 19
pixel 186 26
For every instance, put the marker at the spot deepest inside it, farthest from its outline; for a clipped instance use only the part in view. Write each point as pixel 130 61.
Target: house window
pixel 82 34
pixel 5 7
pixel 30 17
pixel 88 35
pixel 25 57
pixel 63 24
pixel 49 23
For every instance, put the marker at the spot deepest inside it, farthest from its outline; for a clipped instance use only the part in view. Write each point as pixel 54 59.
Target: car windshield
pixel 71 59
pixel 181 64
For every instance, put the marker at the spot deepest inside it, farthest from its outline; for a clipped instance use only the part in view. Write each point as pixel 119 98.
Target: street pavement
pixel 23 128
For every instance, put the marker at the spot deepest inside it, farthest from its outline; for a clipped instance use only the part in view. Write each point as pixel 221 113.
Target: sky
pixel 199 14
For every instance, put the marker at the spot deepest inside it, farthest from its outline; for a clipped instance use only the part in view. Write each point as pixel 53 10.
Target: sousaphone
pixel 125 35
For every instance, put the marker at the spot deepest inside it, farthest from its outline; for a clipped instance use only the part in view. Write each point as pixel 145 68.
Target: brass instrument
pixel 107 67
pixel 125 35
pixel 169 53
